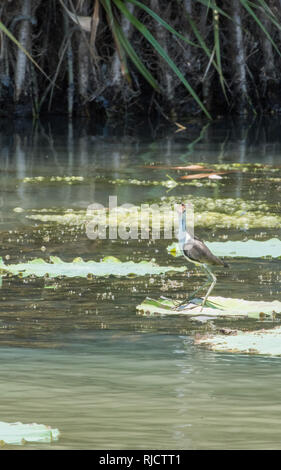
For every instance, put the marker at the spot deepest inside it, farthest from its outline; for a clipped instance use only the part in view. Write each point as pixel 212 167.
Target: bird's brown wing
pixel 197 251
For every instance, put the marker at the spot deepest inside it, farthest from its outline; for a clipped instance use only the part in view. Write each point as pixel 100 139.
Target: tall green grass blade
pixel 248 8
pixel 18 44
pixel 267 11
pixel 211 4
pixel 162 22
pixel 116 36
pixel 218 50
pixel 134 57
pixel 150 38
pixel 202 43
pixel 199 36
pixel 264 6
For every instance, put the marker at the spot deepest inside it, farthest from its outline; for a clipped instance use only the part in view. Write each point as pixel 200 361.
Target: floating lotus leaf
pixel 267 342
pixel 214 307
pixel 19 433
pixel 246 249
pixel 79 268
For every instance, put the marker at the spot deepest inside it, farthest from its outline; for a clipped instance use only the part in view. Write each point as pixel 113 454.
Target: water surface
pixel 74 354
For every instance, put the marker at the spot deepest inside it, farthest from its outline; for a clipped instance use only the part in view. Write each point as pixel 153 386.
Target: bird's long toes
pixel 179 307
pixel 185 306
pixel 179 304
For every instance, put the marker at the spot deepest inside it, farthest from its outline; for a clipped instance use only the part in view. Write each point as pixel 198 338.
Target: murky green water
pixel 74 354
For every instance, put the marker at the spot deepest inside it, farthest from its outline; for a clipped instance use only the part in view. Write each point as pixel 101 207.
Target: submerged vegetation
pixel 114 57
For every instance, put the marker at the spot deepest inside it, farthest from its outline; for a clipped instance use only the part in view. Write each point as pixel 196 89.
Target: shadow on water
pixel 74 354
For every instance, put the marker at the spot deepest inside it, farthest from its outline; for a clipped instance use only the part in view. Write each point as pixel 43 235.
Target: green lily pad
pixel 19 433
pixel 266 342
pixel 246 249
pixel 79 268
pixel 214 307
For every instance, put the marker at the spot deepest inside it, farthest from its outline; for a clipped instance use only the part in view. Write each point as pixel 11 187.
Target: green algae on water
pixel 208 213
pixel 169 183
pixel 53 179
pixel 243 167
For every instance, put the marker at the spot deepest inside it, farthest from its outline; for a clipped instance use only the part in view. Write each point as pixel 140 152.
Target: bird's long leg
pixel 214 280
pixel 192 296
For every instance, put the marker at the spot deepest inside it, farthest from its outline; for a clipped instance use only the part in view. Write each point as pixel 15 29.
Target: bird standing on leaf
pixel 195 251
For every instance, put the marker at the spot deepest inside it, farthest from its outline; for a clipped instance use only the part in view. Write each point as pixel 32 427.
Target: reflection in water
pixel 52 145
pixel 124 381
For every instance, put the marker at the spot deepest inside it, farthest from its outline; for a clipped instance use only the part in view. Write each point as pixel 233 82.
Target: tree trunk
pixel 83 65
pixel 70 74
pixel 116 72
pixel 238 59
pixel 268 71
pixel 25 40
pixel 188 9
pixel 83 69
pixel 168 80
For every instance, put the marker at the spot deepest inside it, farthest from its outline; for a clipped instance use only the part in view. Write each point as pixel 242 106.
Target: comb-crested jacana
pixel 195 251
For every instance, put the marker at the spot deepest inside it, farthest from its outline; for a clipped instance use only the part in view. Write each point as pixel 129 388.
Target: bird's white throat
pixel 188 237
